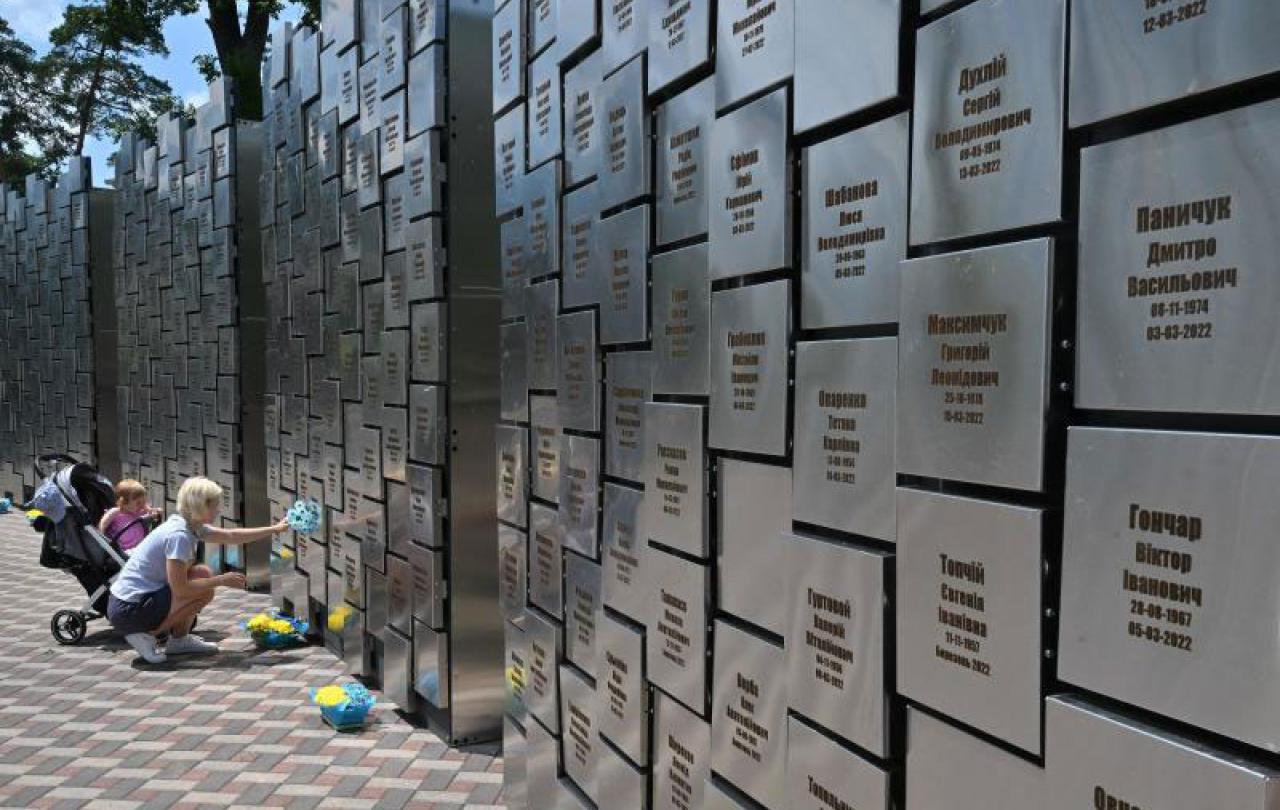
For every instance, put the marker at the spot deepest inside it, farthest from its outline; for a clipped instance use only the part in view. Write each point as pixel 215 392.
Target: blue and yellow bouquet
pixel 274 630
pixel 344 707
pixel 304 516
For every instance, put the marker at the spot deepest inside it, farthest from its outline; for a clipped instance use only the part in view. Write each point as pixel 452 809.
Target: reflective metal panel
pixel 512 547
pixel 546 560
pixel 750 188
pixel 844 456
pixel 428 587
pixel 427 22
pixel 681 755
pixel 626 391
pixel 622 267
pixel 581 216
pixel 822 774
pixel 684 131
pixel 580 742
pixel 749 715
pixel 513 368
pixel 397 669
pixel 581 611
pixel 399 595
pixel 581 97
pixel 543 693
pixel 948 769
pixel 391 154
pixel 580 493
pixel 514 247
pixel 425 258
pixel 835 41
pixel 620 781
pixel 623 130
pixel 544 436
pixel 624 695
pixel 1177 220
pixel 431 668
pixel 835 639
pixel 1096 758
pixel 755 46
pixel 376 599
pixel 625 588
pixel 973 356
pixel 855 225
pixel 545 135
pixel 512 483
pixel 427 342
pixel 675 477
pixel 515 750
pixel 542 218
pixel 754 517
pixel 681 321
pixel 542 23
pixel 577 23
pixel 542 768
pixel 508 159
pixel 578 375
pixel 625 32
pixel 1129 57
pixel 679 40
pixel 426 504
pixel 750 329
pixel 428 428
pixel 508 54
pixel 986 147
pixel 1168 550
pixel 677 603
pixel 969 602
pixel 515 686
pixel 425 96
pixel 543 302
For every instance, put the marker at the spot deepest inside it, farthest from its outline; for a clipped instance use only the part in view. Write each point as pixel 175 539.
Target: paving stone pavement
pixel 91 726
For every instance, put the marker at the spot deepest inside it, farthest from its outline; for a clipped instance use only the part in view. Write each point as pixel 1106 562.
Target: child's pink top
pixel 117 519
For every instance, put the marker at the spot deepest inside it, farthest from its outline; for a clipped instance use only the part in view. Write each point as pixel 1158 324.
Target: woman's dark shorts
pixel 142 616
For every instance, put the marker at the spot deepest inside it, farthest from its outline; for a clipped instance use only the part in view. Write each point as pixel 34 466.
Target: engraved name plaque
pixel 684 131
pixel 581 218
pixel 681 755
pixel 542 302
pixel 581 129
pixel 675 471
pixel 624 695
pixel 679 40
pixel 622 274
pixel 749 715
pixel 542 692
pixel 755 46
pixel 580 744
pixel 508 54
pixel 546 560
pixel 625 588
pixel 512 471
pixel 949 769
pixel 542 218
pixel 623 132
pixel 544 440
pixel 677 621
pixel 579 372
pixel 580 493
pixel 822 774
pixel 626 387
pixel 581 611
pixel 750 328
pixel 625 32
pixel 513 368
pixel 545 138
pixel 511 572
pixel 681 320
pixel 508 159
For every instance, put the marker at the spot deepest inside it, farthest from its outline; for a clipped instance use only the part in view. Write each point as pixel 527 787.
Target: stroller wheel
pixel 68 626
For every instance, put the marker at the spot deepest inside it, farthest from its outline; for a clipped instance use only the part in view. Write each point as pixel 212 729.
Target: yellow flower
pixel 331 696
pixel 286 554
pixel 280 626
pixel 259 623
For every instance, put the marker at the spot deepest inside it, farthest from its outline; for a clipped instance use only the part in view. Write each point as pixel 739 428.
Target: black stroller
pixel 73 497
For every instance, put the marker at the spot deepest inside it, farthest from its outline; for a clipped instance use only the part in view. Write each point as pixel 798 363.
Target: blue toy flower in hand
pixel 304 516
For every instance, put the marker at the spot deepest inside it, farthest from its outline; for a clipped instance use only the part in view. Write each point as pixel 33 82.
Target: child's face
pixel 136 503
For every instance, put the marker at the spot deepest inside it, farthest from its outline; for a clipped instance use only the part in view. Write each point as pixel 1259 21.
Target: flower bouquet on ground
pixel 273 630
pixel 344 707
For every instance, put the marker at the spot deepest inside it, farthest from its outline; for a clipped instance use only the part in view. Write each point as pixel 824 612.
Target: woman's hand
pixel 233 580
pixel 282 526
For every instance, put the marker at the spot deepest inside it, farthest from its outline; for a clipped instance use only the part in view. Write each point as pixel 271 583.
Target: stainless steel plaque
pixel 395 442
pixel 973 357
pixel 1126 58
pixel 542 765
pixel 581 611
pixel 578 374
pixel 508 160
pixel 431 670
pixel 677 607
pixel 835 639
pixel 580 742
pixel 579 494
pixel 749 715
pixel 625 32
pixel 1167 553
pixel 515 751
pixel 844 456
pixel 512 484
pixel 544 429
pixel 717 797
pixel 545 134
pixel 754 516
pixel 986 146
pixel 426 91
pixel 542 218
pixel 623 131
pixel 750 330
pixel 577 23
pixel 428 20
pixel 681 755
pixel 428 588
pixel 581 127
pixel 1176 220
pixel 426 505
pixel 516 681
pixel 625 587
pixel 542 24
pixel 428 349
pixel 750 189
pixel 836 40
pixel 755 47
pixel 679 41
pixel 822 774
pixel 675 477
pixel 542 694
pixel 546 560
pixel 513 244
pixel 391 154
pixel 581 217
pixel 508 55
pixel 855 225
pixel 425 259
pixel 621 781
pixel 684 131
pixel 622 242
pixel 428 427
pixel 513 369
pixel 1097 758
pixel 397 669
pixel 541 308
pixel 948 769
pixel 969 603
pixel 512 548
pixel 681 321
pixel 624 695
pixel 425 174
pixel 626 380
pixel 391 52
pixel 399 594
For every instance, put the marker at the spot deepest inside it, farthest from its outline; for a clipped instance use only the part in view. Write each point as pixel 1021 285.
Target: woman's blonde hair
pixel 196 498
pixel 127 490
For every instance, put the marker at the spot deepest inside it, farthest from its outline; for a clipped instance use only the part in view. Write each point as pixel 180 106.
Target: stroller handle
pixel 42 471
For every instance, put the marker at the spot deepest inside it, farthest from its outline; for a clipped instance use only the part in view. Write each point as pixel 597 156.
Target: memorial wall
pixel 51 363
pixel 883 425
pixel 381 349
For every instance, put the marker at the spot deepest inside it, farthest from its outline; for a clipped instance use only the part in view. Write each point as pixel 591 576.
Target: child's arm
pixel 106 519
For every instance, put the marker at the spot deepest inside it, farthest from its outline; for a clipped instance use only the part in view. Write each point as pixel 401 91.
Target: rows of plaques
pixel 352 224
pixel 47 400
pixel 179 278
pixel 793 403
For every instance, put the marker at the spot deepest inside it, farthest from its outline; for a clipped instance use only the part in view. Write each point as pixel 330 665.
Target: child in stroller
pixel 128 522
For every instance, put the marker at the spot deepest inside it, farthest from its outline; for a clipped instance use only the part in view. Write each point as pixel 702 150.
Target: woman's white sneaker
pixel 190 644
pixel 145 645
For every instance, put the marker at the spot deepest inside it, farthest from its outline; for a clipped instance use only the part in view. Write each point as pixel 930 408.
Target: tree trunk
pixel 240 53
pixel 90 98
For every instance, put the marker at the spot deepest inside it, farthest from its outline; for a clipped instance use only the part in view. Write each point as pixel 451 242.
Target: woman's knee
pixel 200 571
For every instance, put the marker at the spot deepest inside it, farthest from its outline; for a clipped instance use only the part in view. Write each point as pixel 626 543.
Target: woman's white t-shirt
pixel 146 570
